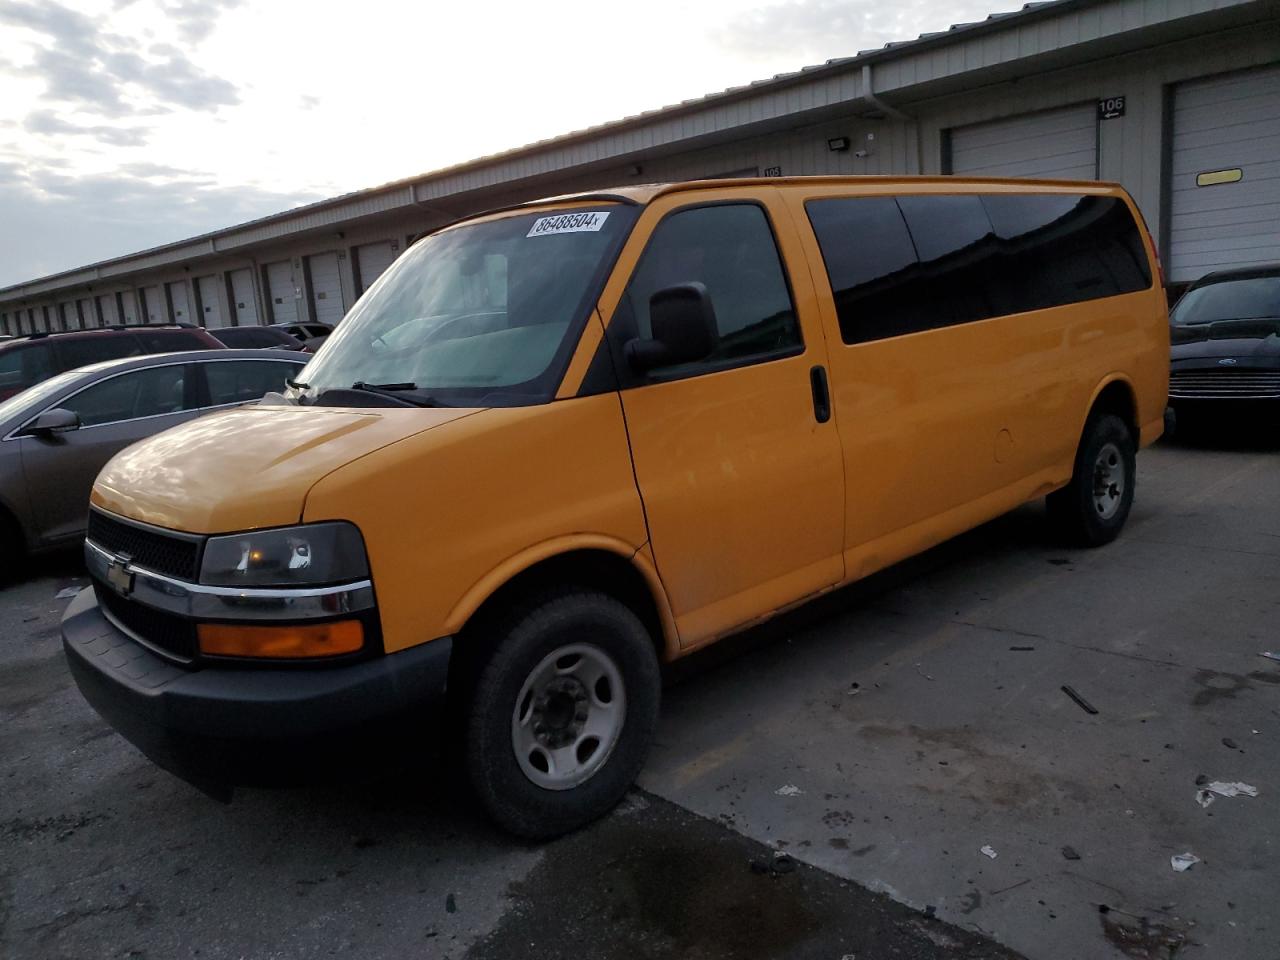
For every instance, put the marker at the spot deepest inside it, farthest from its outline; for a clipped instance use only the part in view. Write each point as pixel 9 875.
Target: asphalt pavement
pixel 821 787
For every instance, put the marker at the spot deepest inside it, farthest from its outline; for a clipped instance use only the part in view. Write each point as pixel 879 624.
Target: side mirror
pixel 57 420
pixel 684 327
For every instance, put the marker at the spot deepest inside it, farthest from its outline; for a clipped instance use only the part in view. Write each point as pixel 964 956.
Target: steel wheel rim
pixel 568 716
pixel 1109 481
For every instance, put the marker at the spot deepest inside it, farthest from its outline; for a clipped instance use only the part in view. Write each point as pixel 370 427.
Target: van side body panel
pixel 447 513
pixel 944 429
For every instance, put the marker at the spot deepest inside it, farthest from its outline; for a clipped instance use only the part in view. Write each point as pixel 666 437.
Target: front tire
pixel 561 713
pixel 1091 510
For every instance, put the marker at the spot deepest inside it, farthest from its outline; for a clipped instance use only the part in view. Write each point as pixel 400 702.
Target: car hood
pixel 249 467
pixel 1242 340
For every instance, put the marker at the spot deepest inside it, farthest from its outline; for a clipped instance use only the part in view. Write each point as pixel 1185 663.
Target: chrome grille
pixel 170 554
pixel 1233 384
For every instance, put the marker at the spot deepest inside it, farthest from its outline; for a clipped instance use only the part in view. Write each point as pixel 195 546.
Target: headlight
pixel 312 554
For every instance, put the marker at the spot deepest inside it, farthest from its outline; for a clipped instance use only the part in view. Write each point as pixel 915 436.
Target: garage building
pixel 1178 100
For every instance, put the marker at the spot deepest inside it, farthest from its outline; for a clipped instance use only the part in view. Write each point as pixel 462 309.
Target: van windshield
pixel 479 315
pixel 1249 298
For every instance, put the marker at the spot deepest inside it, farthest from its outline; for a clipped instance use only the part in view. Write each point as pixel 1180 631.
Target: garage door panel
pixel 244 304
pixel 1060 144
pixel 1220 156
pixel 1222 123
pixel 280 291
pixel 373 259
pixel 210 306
pixel 326 287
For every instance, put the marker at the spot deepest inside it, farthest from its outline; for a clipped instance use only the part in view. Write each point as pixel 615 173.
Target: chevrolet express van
pixel 558 445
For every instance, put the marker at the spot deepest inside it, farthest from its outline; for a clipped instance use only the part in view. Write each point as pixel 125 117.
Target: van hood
pixel 249 467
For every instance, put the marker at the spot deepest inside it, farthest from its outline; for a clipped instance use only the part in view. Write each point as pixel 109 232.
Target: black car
pixel 1225 342
pixel 257 338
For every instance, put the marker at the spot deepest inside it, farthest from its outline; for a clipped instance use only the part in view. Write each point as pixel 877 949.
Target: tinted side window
pixel 21 367
pixel 730 249
pixel 955 259
pixel 166 341
pixel 1057 250
pixel 142 393
pixel 79 352
pixel 239 381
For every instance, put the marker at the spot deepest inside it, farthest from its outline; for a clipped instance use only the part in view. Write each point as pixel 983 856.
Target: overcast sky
pixel 129 123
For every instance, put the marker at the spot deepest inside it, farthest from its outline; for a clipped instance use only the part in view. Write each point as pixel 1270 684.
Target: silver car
pixel 57 435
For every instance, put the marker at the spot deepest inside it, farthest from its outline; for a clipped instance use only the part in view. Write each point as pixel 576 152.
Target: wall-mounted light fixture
pixel 838 144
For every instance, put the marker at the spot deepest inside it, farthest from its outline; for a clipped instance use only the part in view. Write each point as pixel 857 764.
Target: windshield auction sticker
pixel 588 222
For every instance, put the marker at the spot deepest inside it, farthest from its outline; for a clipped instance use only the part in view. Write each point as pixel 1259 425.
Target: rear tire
pixel 561 713
pixel 1091 510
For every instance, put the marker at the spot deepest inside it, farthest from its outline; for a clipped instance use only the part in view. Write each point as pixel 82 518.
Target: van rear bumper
pixel 250 727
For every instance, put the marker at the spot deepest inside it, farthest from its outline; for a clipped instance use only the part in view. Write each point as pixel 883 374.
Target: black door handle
pixel 821 396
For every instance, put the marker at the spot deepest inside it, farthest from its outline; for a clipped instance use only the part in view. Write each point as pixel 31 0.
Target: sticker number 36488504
pixel 588 222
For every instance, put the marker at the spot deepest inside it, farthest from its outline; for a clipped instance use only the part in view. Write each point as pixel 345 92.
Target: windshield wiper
pixel 395 391
pixel 297 384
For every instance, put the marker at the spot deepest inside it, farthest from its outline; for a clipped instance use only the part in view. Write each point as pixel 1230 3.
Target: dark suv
pixel 25 361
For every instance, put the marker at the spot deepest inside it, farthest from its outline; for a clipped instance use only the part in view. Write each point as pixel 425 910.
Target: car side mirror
pixel 57 420
pixel 683 322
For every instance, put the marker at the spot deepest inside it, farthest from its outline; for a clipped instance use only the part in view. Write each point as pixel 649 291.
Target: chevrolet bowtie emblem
pixel 121 579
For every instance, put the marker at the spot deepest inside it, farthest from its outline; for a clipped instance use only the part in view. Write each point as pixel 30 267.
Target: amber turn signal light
pixel 281 642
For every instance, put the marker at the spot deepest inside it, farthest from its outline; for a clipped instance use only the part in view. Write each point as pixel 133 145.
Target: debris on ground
pixel 1234 789
pixel 987 851
pixel 1230 744
pixel 1141 937
pixel 451 904
pixel 1201 780
pixel 1022 649
pixel 1070 853
pixel 922 673
pixel 1204 797
pixel 1084 704
pixel 1182 862
pixel 66 593
pixel 1270 656
pixel 789 790
pixel 854 689
pixel 780 864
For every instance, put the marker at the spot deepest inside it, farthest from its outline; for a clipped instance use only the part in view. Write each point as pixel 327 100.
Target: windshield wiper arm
pixel 393 391
pixel 297 384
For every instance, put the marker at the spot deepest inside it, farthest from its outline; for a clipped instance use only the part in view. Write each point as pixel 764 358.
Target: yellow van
pixel 558 445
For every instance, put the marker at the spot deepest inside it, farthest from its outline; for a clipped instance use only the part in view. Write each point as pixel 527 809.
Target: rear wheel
pixel 561 713
pixel 1091 510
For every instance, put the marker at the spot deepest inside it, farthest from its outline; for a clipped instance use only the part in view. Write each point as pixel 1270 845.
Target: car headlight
pixel 311 554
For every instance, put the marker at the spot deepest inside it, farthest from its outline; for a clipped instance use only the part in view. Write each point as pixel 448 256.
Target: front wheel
pixel 562 712
pixel 1092 508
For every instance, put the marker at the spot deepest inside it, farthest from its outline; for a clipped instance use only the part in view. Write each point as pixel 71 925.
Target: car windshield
pixel 477 315
pixel 1248 298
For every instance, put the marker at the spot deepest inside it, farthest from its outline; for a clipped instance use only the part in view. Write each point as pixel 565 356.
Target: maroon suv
pixel 25 361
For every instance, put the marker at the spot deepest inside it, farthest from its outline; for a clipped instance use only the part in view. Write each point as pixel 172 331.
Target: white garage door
pixel 130 300
pixel 245 306
pixel 1224 178
pixel 153 305
pixel 1055 144
pixel 284 308
pixel 178 298
pixel 88 313
pixel 107 309
pixel 373 259
pixel 326 288
pixel 210 308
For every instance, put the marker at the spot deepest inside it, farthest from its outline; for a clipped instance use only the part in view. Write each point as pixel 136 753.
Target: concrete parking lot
pixel 880 738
